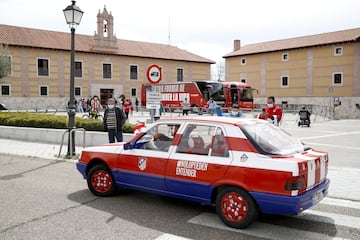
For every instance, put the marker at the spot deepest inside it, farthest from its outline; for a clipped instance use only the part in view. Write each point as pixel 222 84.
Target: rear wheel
pixel 99 116
pixel 100 181
pixel 235 207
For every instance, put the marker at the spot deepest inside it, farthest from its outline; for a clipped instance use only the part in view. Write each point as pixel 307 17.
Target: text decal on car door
pixel 189 168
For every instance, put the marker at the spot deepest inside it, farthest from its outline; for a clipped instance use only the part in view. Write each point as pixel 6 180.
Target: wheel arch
pixel 218 188
pixel 94 162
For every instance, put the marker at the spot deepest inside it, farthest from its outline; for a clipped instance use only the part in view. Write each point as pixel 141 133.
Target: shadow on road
pixel 172 215
pixel 21 174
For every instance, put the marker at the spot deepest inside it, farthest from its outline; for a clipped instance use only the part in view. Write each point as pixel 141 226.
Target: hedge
pixel 42 120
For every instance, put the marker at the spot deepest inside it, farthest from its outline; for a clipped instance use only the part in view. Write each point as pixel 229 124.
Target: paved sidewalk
pixel 32 149
pixel 344 184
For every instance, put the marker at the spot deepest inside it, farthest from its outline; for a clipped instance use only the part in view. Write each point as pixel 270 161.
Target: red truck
pixel 225 94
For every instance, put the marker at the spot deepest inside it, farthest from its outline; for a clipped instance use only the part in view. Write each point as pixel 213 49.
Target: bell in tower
pixel 105 41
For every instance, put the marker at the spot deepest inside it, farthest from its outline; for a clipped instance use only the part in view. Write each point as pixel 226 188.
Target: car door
pixel 143 166
pixel 194 167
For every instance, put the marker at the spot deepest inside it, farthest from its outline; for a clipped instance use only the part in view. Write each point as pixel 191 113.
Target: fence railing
pixel 71 144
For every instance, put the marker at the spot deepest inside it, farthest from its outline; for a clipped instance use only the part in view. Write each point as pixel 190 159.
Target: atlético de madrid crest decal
pixel 142 163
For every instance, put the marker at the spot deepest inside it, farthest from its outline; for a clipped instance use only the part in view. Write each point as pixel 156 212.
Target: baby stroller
pixel 304 119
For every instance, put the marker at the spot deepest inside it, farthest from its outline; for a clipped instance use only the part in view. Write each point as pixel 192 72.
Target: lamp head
pixel 73 15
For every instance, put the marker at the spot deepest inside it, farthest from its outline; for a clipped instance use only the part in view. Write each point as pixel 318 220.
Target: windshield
pixel 213 90
pixel 246 94
pixel 270 139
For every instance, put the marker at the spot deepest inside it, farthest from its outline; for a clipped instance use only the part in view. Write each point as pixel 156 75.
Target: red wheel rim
pixel 101 181
pixel 234 207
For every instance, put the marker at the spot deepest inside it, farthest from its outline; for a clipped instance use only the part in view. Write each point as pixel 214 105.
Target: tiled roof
pixel 20 36
pixel 299 42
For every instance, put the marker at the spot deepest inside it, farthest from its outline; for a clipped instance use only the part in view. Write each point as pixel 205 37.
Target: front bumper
pixel 81 167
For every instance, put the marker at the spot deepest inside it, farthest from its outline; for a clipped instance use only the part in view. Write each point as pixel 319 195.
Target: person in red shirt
pixel 274 112
pixel 263 115
pixel 127 107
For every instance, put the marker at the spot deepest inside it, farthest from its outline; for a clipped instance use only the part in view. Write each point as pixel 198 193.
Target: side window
pixel 159 137
pixel 337 78
pixel 179 74
pixel 196 139
pixel 5 90
pixel 133 72
pixel 338 51
pixel 243 61
pixel 43 67
pixel 219 144
pixel 284 81
pixel 78 69
pixel 43 90
pixel 285 56
pixel 107 70
pixel 78 91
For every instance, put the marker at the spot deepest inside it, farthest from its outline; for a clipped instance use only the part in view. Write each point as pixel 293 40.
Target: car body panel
pixel 178 172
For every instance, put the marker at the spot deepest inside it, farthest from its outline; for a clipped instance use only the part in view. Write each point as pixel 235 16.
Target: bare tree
pixel 219 72
pixel 5 64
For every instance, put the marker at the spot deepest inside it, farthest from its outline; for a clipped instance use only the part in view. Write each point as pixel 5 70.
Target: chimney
pixel 237 45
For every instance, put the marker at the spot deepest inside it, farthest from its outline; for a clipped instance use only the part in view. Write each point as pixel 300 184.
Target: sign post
pixel 153 99
pixel 153 95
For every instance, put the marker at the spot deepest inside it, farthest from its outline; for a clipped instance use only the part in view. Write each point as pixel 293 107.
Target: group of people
pixel 115 116
pixel 271 112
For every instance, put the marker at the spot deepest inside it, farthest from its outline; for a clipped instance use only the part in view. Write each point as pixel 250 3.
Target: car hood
pixel 106 148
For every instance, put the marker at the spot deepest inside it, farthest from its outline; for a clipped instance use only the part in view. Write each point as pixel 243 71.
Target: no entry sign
pixel 154 74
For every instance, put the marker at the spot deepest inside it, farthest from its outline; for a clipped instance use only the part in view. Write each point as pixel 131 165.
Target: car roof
pixel 213 119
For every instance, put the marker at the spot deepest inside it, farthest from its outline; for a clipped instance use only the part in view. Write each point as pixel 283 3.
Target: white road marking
pixel 167 236
pixel 331 145
pixel 340 203
pixel 263 230
pixel 330 135
pixel 332 218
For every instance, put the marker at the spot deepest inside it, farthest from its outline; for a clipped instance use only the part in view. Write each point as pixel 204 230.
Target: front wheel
pixel 100 181
pixel 235 207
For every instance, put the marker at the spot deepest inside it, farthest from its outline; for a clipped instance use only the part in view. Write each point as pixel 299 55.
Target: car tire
pixel 100 181
pixel 235 207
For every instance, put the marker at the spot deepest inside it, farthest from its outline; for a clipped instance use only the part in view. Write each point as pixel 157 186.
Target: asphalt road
pixel 46 199
pixel 341 138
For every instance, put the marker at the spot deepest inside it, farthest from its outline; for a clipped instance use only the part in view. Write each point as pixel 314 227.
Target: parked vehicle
pixel 242 166
pixel 225 94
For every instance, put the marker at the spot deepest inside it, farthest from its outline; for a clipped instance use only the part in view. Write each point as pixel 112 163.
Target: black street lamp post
pixel 73 16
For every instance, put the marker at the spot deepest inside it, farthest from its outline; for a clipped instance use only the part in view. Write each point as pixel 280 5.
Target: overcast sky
pixel 204 27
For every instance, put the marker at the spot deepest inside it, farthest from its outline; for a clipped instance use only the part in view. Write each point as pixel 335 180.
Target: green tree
pixel 5 64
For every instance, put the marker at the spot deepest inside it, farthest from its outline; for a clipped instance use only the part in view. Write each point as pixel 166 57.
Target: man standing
pixel 274 112
pixel 185 107
pixel 114 119
pixel 137 104
pixel 211 106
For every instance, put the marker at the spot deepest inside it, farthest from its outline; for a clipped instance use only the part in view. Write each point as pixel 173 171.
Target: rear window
pixel 270 139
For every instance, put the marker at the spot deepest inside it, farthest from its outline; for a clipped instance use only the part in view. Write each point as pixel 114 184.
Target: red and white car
pixel 242 166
